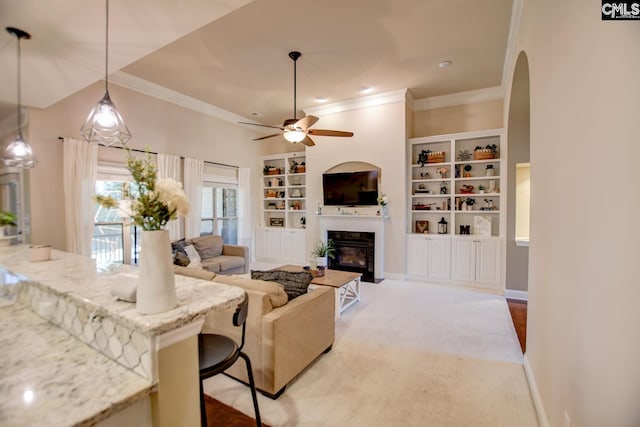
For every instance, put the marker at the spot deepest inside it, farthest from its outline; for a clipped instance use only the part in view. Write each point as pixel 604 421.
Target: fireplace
pixel 355 251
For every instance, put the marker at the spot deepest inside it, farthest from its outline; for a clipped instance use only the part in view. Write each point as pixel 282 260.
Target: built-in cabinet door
pixel 464 263
pixel 417 257
pixel 293 246
pixel 268 244
pixel 261 243
pixel 439 258
pixel 428 257
pixel 488 261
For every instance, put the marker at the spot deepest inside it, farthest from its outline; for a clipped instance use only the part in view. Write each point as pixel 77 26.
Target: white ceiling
pixel 233 53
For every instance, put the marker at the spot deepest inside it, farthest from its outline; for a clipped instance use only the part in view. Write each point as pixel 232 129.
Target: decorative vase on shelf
pixel 156 286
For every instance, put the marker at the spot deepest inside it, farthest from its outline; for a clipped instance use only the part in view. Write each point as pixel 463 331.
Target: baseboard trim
pixel 395 276
pixel 519 295
pixel 537 400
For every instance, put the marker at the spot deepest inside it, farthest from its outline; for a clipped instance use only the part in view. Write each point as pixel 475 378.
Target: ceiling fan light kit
pixel 19 153
pixel 298 130
pixel 104 124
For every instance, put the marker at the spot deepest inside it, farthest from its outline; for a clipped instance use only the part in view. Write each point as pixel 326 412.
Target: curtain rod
pixel 153 152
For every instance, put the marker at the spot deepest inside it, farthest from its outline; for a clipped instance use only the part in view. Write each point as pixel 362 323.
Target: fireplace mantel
pixel 368 223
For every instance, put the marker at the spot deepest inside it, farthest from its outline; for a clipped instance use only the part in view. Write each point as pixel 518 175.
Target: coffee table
pixel 345 283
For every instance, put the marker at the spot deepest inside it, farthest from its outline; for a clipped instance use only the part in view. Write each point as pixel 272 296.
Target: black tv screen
pixel 350 188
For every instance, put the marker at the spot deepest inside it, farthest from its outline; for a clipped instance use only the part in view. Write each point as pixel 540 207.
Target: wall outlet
pixel 567 420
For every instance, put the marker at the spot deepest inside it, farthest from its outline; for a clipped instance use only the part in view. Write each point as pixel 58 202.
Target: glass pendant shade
pixel 104 124
pixel 19 153
pixel 294 136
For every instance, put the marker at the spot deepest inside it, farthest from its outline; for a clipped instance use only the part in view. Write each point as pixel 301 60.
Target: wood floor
pixel 518 310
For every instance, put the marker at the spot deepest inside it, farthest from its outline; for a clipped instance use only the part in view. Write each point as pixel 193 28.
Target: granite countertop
pixel 72 354
pixel 76 278
pixel 47 377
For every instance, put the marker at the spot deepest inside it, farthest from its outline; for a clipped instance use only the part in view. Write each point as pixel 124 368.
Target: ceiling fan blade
pixel 326 132
pixel 268 136
pixel 258 124
pixel 307 141
pixel 306 122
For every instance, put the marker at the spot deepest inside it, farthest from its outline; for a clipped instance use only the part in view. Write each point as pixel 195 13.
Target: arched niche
pixel 354 167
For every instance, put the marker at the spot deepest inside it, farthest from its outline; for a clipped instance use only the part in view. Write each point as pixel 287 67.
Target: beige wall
pixel 582 339
pixel 162 126
pixel 458 118
pixel 379 138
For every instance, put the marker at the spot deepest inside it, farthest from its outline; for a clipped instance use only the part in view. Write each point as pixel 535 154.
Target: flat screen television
pixel 350 188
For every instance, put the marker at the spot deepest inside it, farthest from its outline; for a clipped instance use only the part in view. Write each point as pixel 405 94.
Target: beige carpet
pixel 408 354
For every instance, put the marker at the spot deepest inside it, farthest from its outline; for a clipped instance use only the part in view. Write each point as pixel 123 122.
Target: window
pixel 523 173
pixel 114 241
pixel 220 210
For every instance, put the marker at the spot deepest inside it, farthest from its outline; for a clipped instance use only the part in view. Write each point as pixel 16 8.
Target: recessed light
pixel 256 114
pixel 444 64
pixel 366 89
pixel 320 99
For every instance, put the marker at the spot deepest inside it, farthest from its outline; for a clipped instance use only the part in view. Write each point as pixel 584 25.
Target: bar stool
pixel 217 353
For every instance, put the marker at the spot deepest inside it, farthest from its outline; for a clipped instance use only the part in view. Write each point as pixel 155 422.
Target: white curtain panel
pixel 80 163
pixel 169 167
pixel 193 173
pixel 244 208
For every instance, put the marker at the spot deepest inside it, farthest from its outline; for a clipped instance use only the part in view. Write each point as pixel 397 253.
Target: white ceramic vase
pixel 156 291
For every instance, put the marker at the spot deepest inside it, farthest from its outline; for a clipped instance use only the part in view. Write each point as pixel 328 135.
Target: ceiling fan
pixel 298 130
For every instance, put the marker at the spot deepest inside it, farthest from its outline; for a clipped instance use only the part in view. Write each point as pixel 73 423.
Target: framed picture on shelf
pixel 482 225
pixel 422 227
pixel 276 222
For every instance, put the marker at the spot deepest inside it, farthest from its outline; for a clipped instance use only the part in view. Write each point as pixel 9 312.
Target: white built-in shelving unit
pixel 281 236
pixel 466 193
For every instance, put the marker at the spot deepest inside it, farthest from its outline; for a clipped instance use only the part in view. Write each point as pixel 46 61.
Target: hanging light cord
pixel 106 62
pixel 19 91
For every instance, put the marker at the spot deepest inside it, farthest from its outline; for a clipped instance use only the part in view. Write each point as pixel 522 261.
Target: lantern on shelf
pixel 442 226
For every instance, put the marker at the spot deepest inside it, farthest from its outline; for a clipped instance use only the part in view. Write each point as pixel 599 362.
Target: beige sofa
pixel 216 256
pixel 282 338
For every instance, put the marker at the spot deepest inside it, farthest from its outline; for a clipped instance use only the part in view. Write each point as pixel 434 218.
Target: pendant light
pixel 19 153
pixel 104 125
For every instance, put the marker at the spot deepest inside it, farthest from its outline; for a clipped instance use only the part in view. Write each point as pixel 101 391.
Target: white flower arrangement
pixel 383 200
pixel 158 200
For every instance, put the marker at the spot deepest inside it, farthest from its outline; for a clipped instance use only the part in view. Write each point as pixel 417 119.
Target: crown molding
pixel 400 95
pixel 460 98
pixel 160 92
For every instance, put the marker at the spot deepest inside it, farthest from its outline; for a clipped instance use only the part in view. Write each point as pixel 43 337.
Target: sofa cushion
pixel 193 272
pixel 208 246
pixel 274 291
pixel 211 264
pixel 229 262
pixel 294 283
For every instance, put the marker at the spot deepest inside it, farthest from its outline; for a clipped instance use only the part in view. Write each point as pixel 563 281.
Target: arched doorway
pixel 518 134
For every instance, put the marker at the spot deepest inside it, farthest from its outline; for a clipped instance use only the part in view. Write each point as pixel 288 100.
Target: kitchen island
pixel 74 355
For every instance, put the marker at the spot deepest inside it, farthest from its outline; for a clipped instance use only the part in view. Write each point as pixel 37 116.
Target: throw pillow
pixel 208 246
pixel 181 259
pixel 294 283
pixel 194 257
pixel 178 246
